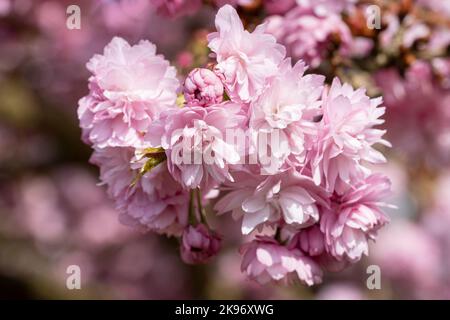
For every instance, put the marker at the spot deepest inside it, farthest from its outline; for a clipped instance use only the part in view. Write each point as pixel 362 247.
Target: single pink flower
pixel 265 260
pixel 417 117
pixel 346 137
pixel 354 218
pixel 203 88
pixel 244 60
pixel 410 257
pixel 129 86
pixel 282 117
pixel 194 139
pixel 199 244
pixel 308 35
pixel 126 15
pixel 288 197
pixel 154 201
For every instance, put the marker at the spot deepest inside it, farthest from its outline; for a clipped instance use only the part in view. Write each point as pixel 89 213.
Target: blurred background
pixel 53 214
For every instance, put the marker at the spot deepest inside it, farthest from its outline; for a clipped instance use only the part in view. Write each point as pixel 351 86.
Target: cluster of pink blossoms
pixel 312 29
pixel 294 170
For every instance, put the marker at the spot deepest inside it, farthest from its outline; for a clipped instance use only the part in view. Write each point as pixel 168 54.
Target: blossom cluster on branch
pixel 252 134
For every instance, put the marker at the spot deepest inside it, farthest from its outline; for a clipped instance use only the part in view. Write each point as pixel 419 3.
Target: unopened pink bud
pixel 203 88
pixel 199 244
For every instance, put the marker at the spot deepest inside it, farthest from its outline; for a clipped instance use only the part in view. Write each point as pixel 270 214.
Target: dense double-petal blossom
pixel 199 244
pixel 129 86
pixel 202 88
pixel 308 34
pixel 288 197
pixel 409 256
pixel 244 60
pixel 418 116
pixel 354 218
pixel 283 116
pixel 154 201
pixel 346 137
pixel 265 260
pixel 194 138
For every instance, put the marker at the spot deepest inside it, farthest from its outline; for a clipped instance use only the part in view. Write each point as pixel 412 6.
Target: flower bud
pixel 199 244
pixel 203 88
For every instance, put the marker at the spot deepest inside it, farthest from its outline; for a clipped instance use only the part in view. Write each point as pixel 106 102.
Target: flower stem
pixel 201 210
pixel 192 215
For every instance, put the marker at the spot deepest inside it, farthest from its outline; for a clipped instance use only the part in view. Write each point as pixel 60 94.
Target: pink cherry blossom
pixel 203 88
pixel 154 202
pixel 129 15
pixel 194 139
pixel 241 63
pixel 310 201
pixel 129 86
pixel 114 165
pixel 354 218
pixel 265 260
pixel 346 136
pixel 288 197
pixel 308 36
pixel 410 257
pixel 436 223
pixel 199 244
pixel 283 116
pixel 418 117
